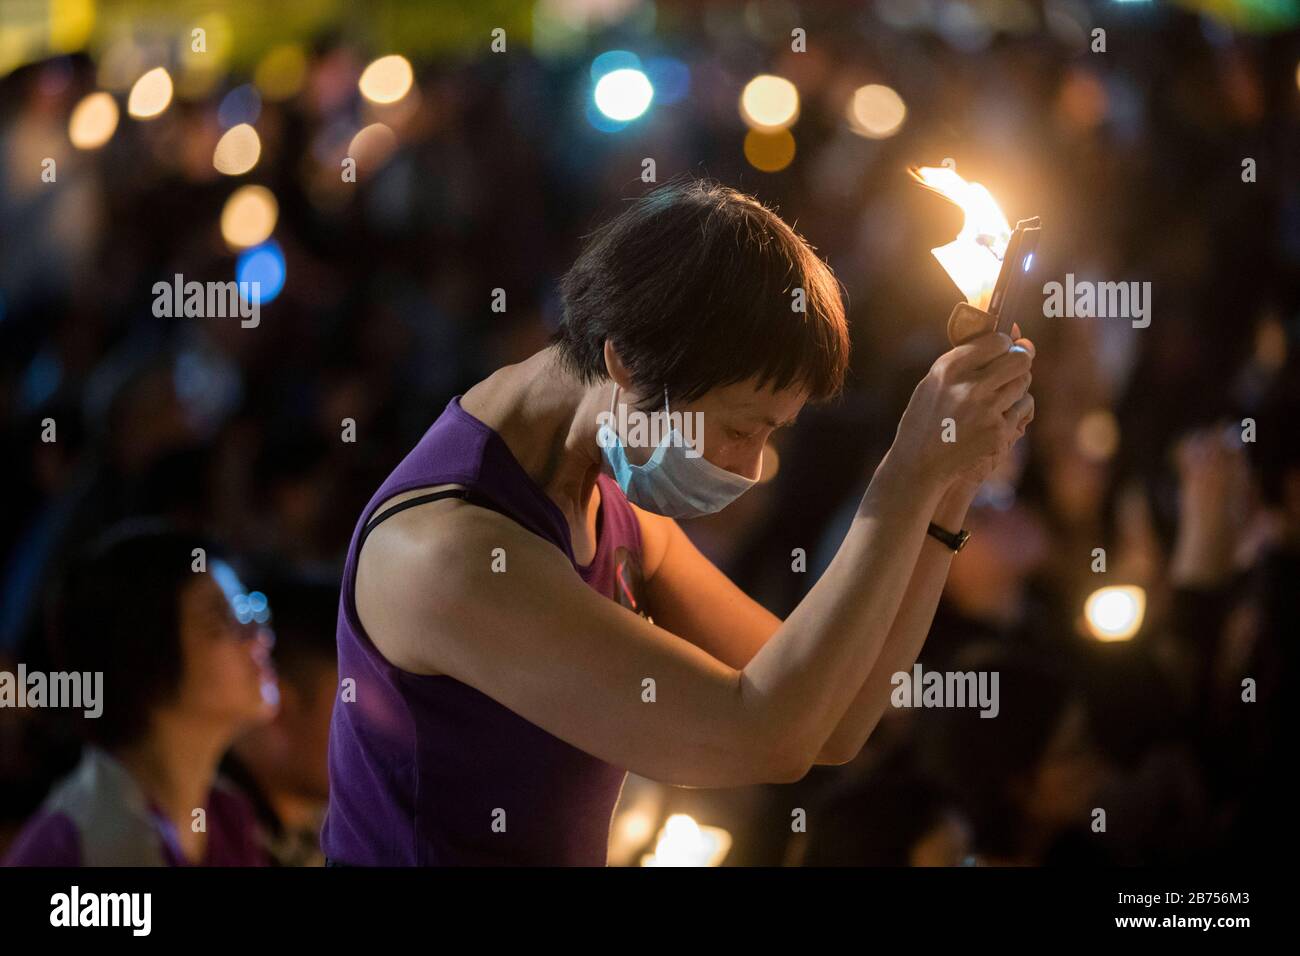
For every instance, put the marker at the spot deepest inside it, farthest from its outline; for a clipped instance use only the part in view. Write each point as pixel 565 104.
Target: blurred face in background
pixel 228 677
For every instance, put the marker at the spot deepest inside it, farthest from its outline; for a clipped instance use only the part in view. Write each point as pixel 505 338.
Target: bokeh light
pixel 243 104
pixel 237 151
pixel 1115 613
pixel 769 102
pixel 263 264
pixel 93 121
pixel 372 146
pixel 623 95
pixel 72 25
pixel 1097 435
pixel 1271 344
pixel 876 111
pixel 151 94
pixel 249 216
pixel 670 77
pixel 387 79
pixel 612 60
pixel 769 152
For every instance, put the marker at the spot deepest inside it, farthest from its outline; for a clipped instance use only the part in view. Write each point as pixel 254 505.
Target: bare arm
pixel 696 600
pixel 906 637
pixel 540 642
pixel 693 598
pixel 912 625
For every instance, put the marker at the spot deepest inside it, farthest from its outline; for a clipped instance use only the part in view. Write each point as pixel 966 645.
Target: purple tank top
pixel 422 767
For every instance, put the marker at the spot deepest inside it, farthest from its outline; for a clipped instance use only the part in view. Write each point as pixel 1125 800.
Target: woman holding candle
pixel 523 621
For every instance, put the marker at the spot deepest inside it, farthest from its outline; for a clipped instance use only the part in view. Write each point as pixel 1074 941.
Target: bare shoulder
pixel 426 565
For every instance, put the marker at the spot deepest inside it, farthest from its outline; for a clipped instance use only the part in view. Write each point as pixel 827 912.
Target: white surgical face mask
pixel 671 483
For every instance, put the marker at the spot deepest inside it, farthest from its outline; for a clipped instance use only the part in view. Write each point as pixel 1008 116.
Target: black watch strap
pixel 955 541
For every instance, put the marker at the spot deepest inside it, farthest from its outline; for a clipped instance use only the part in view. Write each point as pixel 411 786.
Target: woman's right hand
pixel 967 411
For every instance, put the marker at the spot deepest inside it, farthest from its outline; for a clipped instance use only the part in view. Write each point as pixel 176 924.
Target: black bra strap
pixel 462 493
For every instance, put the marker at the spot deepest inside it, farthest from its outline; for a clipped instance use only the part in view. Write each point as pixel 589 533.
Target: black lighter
pixel 1006 303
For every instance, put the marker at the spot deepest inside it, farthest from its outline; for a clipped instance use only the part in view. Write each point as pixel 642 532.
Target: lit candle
pixel 683 842
pixel 974 258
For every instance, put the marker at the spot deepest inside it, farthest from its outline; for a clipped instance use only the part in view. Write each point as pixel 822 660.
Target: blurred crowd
pixel 196 430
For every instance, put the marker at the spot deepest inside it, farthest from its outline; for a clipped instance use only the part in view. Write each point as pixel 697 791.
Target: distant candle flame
pixel 974 258
pixel 683 842
pixel 1115 613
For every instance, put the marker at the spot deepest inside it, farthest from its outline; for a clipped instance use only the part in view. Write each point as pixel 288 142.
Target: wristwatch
pixel 955 541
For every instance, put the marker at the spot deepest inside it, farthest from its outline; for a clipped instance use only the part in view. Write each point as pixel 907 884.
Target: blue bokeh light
pixel 670 77
pixel 600 121
pixel 263 264
pixel 243 104
pixel 612 60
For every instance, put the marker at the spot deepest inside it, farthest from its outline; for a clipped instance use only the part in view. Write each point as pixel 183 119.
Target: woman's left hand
pixel 969 481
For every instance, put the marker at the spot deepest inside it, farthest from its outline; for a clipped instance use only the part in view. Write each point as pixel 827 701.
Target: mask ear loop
pixel 668 416
pixel 669 420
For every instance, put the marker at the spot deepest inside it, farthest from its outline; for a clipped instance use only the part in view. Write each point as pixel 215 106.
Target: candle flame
pixel 974 258
pixel 683 842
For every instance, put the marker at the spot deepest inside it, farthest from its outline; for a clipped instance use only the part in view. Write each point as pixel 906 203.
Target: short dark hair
pixel 118 612
pixel 693 284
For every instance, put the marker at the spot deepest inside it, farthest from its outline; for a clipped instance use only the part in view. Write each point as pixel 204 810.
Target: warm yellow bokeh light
pixel 1271 344
pixel 71 24
pixel 387 79
pixel 281 72
pixel 769 102
pixel 237 151
pixel 93 121
pixel 249 216
pixel 1097 435
pixel 151 94
pixel 372 146
pixel 876 111
pixel 769 152
pixel 1115 613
